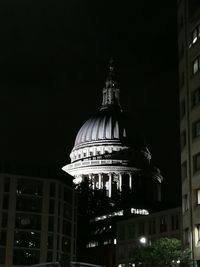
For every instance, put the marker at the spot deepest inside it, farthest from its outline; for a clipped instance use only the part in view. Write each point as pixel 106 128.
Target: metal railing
pixel 72 264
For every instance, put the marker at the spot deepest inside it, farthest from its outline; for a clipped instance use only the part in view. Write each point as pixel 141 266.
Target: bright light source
pixel 178 261
pixel 143 240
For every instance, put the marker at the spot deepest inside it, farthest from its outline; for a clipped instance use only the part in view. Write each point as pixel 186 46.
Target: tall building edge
pixel 188 30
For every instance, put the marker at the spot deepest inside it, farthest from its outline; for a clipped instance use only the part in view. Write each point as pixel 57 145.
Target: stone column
pixel 130 180
pixel 91 180
pixel 99 180
pixel 120 182
pixel 110 185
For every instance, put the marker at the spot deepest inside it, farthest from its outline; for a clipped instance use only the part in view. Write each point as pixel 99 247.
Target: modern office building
pixel 188 21
pixel 144 230
pixel 37 220
pixel 113 162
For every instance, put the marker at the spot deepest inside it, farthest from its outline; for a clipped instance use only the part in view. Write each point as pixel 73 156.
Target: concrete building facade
pixel 188 21
pixel 37 220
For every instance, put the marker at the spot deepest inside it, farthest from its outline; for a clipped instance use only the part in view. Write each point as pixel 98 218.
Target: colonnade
pixel 107 180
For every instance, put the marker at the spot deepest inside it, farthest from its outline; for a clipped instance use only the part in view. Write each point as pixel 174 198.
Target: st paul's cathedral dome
pixel 103 151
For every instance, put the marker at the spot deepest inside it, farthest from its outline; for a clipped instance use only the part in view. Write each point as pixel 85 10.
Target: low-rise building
pixel 37 220
pixel 143 230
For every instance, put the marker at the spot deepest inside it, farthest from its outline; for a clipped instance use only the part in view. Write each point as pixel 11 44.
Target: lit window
pixel 196 162
pixel 196 129
pixel 197 234
pixel 195 66
pixel 198 196
pixel 92 244
pixel 194 36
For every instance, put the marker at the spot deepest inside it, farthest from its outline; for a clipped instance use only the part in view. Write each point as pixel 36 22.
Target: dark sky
pixel 54 57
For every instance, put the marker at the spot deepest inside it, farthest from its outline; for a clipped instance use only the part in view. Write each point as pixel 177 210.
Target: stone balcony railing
pixel 85 163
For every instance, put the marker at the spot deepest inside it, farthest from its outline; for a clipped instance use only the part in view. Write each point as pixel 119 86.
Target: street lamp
pixel 143 240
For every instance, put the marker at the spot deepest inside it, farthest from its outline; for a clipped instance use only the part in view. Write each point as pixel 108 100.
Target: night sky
pixel 54 57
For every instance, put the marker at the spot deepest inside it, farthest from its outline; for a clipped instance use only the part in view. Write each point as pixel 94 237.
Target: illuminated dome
pixel 107 148
pixel 108 125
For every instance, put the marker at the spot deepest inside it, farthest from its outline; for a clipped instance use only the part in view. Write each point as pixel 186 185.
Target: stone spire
pixel 111 90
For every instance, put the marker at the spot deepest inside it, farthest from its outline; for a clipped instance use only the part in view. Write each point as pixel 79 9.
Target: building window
pixel 66 245
pixel 186 236
pixel 141 228
pixel 198 196
pixel 183 139
pixel 67 195
pixel 195 65
pixel 131 230
pixel 52 190
pixel 66 228
pixel 181 52
pixel 50 242
pixel 163 224
pixel 195 35
pixel 26 239
pixel 25 257
pixel 2 256
pixel 49 256
pixel 3 235
pixel 182 80
pixel 6 184
pixel 152 227
pixel 197 234
pixel 28 203
pixel 184 170
pixel 5 201
pixel 30 187
pixel 121 231
pixel 67 211
pixel 4 220
pixel 51 223
pixel 28 221
pixel 182 109
pixel 196 129
pixel 51 206
pixel 195 97
pixel 185 203
pixel 196 162
pixel 174 222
